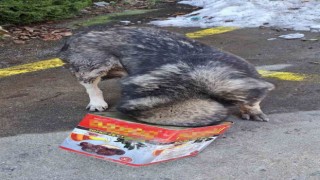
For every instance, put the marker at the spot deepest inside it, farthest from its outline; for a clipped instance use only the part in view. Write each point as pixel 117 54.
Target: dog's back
pixel 142 49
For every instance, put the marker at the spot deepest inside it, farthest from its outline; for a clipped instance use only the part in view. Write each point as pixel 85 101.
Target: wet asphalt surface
pixel 38 109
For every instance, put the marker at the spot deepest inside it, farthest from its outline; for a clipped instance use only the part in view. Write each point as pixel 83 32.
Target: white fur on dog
pixel 96 97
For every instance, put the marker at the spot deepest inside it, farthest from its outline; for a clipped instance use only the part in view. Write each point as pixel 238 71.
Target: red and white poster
pixel 138 144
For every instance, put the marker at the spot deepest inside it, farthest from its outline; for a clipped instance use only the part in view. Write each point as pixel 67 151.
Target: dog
pixel 167 79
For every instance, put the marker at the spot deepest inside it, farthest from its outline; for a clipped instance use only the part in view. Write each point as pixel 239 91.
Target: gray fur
pixel 171 80
pixel 188 112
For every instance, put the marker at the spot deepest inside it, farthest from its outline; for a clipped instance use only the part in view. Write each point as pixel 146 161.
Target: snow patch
pixel 301 15
pixel 292 36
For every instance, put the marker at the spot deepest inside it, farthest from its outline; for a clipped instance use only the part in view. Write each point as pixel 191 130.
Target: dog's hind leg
pixel 233 86
pixel 191 113
pixel 247 92
pixel 97 102
pixel 252 111
pixel 250 108
pixel 248 96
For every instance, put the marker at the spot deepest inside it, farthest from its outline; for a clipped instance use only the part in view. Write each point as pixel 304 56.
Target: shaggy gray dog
pixel 168 79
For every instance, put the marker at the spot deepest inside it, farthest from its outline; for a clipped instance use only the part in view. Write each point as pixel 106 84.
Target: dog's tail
pixel 190 113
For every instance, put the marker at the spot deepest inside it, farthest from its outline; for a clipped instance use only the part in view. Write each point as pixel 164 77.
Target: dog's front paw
pixel 97 106
pixel 255 117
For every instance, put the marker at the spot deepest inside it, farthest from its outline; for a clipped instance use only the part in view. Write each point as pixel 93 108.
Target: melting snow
pixel 292 36
pixel 290 14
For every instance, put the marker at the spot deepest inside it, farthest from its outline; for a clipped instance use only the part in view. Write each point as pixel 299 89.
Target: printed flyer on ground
pixel 138 144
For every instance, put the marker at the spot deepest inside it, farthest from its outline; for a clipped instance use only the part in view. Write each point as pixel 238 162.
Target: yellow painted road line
pixel 56 62
pixel 286 76
pixel 31 67
pixel 210 31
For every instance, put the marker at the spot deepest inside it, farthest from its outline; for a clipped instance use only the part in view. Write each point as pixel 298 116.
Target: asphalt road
pixel 39 109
